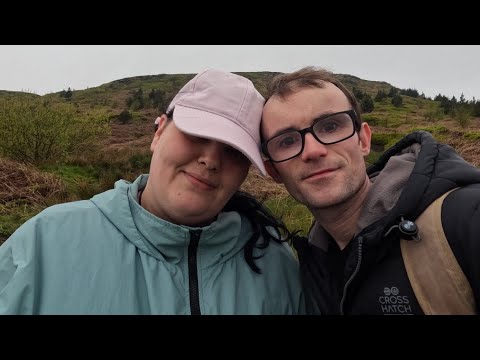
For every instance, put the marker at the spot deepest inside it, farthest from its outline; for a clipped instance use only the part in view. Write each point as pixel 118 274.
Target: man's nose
pixel 312 148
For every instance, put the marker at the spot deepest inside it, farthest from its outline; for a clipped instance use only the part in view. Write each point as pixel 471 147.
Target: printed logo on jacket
pixel 393 303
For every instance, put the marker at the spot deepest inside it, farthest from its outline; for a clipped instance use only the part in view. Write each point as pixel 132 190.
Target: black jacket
pixel 368 276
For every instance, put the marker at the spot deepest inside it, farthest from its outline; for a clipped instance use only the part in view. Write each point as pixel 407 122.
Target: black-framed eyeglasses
pixel 328 129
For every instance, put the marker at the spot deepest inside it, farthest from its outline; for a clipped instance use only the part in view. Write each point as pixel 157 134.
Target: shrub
pixel 37 131
pixel 462 116
pixel 124 117
pixel 433 113
pixel 397 101
pixel 367 104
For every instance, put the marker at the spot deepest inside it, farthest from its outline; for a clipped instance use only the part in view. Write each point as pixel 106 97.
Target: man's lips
pixel 319 173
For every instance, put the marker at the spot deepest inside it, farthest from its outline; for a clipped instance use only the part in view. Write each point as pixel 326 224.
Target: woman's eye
pixel 234 153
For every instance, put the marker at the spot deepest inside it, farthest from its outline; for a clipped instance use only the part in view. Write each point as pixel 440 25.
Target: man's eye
pixel 330 127
pixel 287 142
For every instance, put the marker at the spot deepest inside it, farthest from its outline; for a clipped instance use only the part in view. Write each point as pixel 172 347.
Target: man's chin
pixel 325 201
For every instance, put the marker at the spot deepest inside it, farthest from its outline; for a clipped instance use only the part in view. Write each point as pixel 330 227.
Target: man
pixel 315 142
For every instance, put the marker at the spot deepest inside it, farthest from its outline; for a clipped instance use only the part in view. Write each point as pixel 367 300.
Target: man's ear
pixel 365 137
pixel 272 171
pixel 161 127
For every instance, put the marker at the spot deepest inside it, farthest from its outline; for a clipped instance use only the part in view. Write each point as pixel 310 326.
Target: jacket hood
pixel 436 170
pixel 164 240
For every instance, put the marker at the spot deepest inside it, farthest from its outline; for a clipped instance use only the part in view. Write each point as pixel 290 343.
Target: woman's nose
pixel 211 155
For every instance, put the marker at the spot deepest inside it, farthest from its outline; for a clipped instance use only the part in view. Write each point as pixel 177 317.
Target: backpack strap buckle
pixel 407 228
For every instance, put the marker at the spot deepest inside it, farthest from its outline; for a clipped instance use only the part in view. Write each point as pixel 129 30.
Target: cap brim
pixel 211 126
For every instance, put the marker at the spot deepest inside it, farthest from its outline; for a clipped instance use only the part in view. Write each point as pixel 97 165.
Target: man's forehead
pixel 303 107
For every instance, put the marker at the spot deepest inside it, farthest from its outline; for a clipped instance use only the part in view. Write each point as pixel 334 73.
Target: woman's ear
pixel 161 127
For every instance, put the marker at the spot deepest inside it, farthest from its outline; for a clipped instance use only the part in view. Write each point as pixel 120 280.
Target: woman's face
pixel 191 178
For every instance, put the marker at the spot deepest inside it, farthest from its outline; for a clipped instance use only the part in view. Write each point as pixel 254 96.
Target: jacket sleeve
pixel 461 224
pixel 17 287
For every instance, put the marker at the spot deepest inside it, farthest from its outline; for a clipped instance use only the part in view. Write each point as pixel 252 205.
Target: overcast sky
pixel 432 69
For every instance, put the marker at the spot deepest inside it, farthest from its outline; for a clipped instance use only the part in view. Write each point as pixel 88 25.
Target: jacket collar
pixel 219 241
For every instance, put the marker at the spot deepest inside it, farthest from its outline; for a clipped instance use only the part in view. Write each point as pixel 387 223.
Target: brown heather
pixel 27 184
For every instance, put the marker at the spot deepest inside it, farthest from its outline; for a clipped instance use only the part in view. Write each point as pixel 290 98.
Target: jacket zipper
pixel 192 272
pixel 355 272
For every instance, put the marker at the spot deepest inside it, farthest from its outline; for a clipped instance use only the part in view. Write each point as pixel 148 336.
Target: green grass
pixel 472 135
pixel 434 129
pixel 386 140
pixel 13 214
pixel 372 157
pixel 81 181
pixel 439 132
pixel 71 174
pixel 295 215
pixel 412 111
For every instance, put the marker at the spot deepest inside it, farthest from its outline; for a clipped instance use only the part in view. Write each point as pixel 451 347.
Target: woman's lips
pixel 201 181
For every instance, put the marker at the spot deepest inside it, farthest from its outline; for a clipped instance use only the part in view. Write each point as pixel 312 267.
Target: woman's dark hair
pixel 169 113
pixel 260 217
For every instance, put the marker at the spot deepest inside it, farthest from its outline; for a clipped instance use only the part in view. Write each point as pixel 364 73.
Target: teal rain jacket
pixel 108 255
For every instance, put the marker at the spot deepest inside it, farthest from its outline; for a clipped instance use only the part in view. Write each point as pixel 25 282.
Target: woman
pixel 181 240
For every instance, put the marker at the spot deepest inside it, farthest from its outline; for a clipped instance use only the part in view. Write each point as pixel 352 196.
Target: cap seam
pixel 211 112
pixel 241 108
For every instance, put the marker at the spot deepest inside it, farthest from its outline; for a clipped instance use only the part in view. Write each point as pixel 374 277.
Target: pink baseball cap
pixel 224 107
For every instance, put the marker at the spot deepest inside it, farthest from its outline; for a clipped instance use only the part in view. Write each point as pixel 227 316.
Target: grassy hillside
pixel 369 87
pixel 4 94
pixel 113 95
pixel 26 190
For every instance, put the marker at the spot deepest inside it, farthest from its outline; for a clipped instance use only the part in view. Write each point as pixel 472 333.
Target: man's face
pixel 192 178
pixel 322 175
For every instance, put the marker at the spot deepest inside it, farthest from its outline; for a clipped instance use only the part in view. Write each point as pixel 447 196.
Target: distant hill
pixel 5 94
pixel 113 96
pixel 143 98
pixel 367 86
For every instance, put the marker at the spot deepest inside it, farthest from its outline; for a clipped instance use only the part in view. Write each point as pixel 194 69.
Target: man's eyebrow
pixel 283 130
pixel 293 128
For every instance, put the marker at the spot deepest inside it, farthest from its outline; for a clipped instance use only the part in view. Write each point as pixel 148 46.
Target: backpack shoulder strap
pixel 438 281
